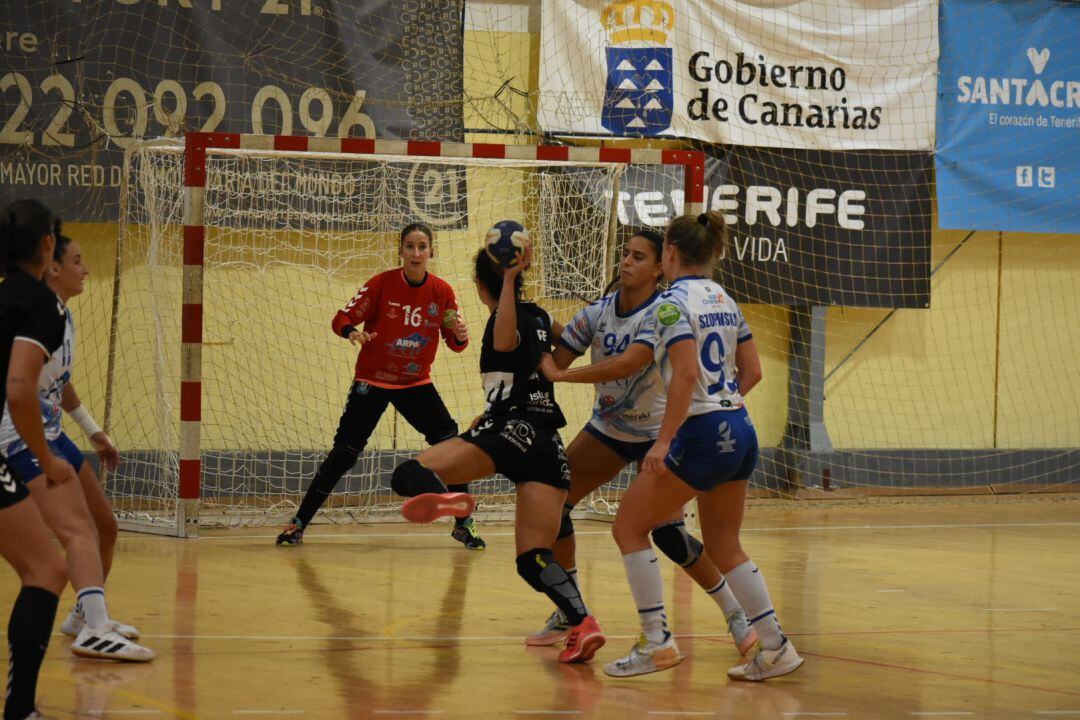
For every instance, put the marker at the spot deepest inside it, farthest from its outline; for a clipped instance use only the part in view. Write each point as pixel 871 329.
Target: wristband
pixel 84 420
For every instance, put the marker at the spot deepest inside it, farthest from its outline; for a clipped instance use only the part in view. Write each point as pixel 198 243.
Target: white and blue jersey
pixel 699 309
pixel 55 374
pixel 630 409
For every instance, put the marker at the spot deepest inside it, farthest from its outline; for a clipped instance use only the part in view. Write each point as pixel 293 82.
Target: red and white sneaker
pixel 431 506
pixel 583 641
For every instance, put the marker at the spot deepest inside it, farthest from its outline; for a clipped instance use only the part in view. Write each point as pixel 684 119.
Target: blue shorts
pixel 714 448
pixel 628 451
pixel 27 465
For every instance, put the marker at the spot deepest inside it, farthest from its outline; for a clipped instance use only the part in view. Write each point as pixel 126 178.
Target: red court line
pixel 938 673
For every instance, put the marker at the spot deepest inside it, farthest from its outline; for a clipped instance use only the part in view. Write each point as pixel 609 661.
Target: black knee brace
pixel 410 478
pixel 531 565
pixel 566 527
pixel 683 548
pixel 339 461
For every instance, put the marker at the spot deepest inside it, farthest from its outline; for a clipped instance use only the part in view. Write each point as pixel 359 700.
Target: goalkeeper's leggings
pixel 421 406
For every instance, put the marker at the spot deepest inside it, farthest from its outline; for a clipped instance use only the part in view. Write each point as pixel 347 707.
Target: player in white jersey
pixel 706 448
pixel 625 421
pixel 79 514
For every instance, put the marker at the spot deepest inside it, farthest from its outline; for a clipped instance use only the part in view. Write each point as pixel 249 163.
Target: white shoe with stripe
pixel 107 644
pixel 74 622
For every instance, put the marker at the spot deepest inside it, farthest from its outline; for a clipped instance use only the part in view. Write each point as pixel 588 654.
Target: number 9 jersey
pixel 697 308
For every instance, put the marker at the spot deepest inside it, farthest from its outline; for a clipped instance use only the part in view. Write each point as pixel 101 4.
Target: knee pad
pixel 410 478
pixel 531 565
pixel 672 539
pixel 566 527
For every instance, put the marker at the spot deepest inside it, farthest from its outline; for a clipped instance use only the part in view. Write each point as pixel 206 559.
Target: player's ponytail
pixel 699 239
pixel 62 241
pixel 23 225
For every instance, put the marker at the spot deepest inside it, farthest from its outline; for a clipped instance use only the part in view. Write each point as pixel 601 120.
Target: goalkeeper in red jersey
pixel 396 318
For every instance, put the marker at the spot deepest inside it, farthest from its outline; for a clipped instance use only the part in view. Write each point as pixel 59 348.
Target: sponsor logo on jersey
pixel 518 433
pixel 409 346
pixel 413 368
pixel 432 309
pixel 540 398
pixel 606 401
pixel 668 314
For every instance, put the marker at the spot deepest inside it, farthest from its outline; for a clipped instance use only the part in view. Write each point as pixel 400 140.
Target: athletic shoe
pixel 465 533
pixel 428 507
pixel 74 622
pixel 583 641
pixel 107 644
pixel 742 632
pixel 291 535
pixel 36 715
pixel 554 632
pixel 768 664
pixel 646 657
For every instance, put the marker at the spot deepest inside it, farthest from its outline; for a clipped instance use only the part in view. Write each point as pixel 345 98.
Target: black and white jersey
pixel 512 382
pixel 29 311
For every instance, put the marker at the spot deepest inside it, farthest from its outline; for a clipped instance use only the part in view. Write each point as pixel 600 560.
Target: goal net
pixel 238 396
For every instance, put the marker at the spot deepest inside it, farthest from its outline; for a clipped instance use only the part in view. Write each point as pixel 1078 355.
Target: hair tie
pixel 703 219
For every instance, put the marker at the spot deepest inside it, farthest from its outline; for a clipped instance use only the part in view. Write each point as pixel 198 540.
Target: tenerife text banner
pixel 741 72
pixel 807 227
pixel 82 80
pixel 1008 138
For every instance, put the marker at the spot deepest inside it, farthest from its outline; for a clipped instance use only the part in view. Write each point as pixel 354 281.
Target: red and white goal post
pixel 225 380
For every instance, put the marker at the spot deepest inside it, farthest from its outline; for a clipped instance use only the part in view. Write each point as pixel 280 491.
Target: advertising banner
pixel 81 80
pixel 1008 129
pixel 743 73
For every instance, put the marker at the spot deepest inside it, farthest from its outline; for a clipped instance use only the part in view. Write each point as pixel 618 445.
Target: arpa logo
pixel 638 94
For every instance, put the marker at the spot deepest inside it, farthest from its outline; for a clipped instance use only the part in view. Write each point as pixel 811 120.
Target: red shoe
pixel 430 506
pixel 583 641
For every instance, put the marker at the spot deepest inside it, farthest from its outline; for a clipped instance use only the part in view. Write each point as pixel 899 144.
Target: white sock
pixel 748 585
pixel 643 572
pixel 722 596
pixel 92 602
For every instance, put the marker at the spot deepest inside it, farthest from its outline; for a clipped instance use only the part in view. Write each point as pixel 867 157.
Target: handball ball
pixel 506 242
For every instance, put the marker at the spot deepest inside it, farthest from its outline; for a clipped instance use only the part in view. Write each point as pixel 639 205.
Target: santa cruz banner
pixel 738 73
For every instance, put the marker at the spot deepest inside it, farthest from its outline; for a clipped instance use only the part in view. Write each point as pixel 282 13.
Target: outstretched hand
pixel 359 337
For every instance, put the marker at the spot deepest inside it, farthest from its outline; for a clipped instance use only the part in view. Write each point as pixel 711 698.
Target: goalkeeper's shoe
pixel 428 507
pixel 465 533
pixel 742 632
pixel 291 535
pixel 554 631
pixel 583 641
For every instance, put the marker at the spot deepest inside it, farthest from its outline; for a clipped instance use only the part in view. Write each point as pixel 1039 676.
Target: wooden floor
pixel 967 610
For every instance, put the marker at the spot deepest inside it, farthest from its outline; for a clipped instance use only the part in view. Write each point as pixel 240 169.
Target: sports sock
pixel 748 585
pixel 92 601
pixel 643 573
pixel 722 596
pixel 28 636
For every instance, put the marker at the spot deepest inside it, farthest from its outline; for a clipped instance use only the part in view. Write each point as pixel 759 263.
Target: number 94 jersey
pixel 699 309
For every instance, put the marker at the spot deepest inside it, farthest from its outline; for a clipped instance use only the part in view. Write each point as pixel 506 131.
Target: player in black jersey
pixel 516 436
pixel 32 321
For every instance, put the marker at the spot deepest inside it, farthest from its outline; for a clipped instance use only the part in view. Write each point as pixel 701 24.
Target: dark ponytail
pixel 62 241
pixel 23 225
pixel 700 239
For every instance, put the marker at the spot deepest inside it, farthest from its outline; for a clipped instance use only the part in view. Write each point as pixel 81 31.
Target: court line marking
pixel 123 712
pixel 547 712
pixel 890 590
pixel 407 712
pixel 1020 610
pixel 814 714
pixel 681 712
pixel 939 713
pixel 517 638
pixel 132 536
pixel 938 673
pixel 1057 712
pixel 267 712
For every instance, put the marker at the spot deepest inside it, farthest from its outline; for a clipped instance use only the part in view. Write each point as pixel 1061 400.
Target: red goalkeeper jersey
pixel 407 320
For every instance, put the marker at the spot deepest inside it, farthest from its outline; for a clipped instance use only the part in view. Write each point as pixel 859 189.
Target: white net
pixel 289 238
